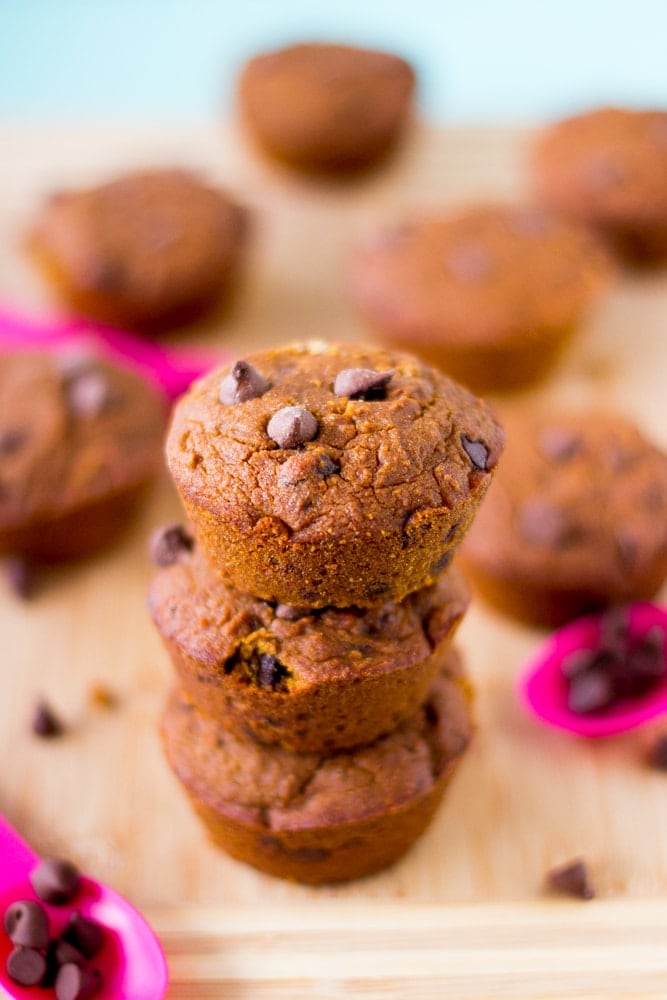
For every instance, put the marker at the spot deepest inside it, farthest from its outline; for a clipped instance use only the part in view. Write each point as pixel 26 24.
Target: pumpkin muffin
pixel 322 107
pixel 576 519
pixel 321 819
pixel 332 474
pixel 306 680
pixel 147 251
pixel 490 294
pixel 80 440
pixel 608 169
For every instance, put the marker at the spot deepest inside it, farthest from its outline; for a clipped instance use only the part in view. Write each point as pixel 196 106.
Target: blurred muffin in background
pixel 326 108
pixel 80 440
pixel 608 169
pixel 147 251
pixel 576 519
pixel 491 294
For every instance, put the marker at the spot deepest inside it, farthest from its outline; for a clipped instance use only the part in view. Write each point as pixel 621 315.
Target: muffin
pixel 315 819
pixel 306 680
pixel 332 474
pixel 80 441
pixel 490 294
pixel 321 107
pixel 147 251
pixel 608 168
pixel 576 519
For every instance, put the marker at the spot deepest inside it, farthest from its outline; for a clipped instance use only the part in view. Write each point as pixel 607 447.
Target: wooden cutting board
pixel 464 913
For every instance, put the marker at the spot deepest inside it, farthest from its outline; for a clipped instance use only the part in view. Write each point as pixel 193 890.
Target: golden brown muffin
pixel 490 294
pixel 80 441
pixel 608 169
pixel 337 475
pixel 147 251
pixel 304 680
pixel 321 819
pixel 322 107
pixel 576 519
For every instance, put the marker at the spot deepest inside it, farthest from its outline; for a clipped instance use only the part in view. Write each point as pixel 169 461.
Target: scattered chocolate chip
pixel 476 451
pixel 362 383
pixel 21 575
pixel 74 360
pixel 658 753
pixel 26 966
pixel 326 466
pixel 627 549
pixel 55 880
pixel 304 465
pixel 66 954
pixel 558 444
pixel 12 439
pixel 45 722
pixel 571 879
pixel 292 426
pixel 577 662
pixel 88 394
pixel 84 934
pixel 469 263
pixel 290 612
pixel 541 523
pixel 169 544
pixel 441 563
pixel 26 924
pixel 244 382
pixel 76 983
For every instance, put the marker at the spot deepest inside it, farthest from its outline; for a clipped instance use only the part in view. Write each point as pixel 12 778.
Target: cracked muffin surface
pixel 301 678
pixel 576 520
pixel 365 498
pixel 321 818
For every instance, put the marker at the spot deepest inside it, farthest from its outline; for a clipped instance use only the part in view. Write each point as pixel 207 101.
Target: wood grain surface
pixel 525 798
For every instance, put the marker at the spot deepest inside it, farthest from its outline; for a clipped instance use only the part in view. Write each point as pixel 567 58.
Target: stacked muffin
pixel 321 709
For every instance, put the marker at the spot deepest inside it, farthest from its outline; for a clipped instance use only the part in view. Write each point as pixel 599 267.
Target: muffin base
pixel 320 849
pixel 78 533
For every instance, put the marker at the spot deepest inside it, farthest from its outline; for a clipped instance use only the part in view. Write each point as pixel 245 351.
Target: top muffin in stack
pixel 331 475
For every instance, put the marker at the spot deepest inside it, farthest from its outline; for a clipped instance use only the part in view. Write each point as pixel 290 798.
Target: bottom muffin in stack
pixel 315 818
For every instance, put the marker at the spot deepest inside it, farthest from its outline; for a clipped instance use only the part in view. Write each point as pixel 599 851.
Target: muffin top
pixel 330 437
pixel 284 648
pixel 282 790
pixel 73 429
pixel 488 274
pixel 324 102
pixel 153 241
pixel 580 501
pixel 608 165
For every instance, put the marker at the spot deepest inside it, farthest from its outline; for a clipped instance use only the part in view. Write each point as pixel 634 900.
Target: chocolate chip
pixel 45 722
pixel 541 523
pixel 469 263
pixel 627 549
pixel 590 691
pixel 658 753
pixel 571 879
pixel 26 966
pixel 290 612
pixel 65 954
pixel 476 451
pixel 89 394
pixel 577 662
pixel 362 383
pixel 26 924
pixel 55 880
pixel 170 544
pixel 86 935
pixel 271 671
pixel 21 576
pixel 244 382
pixel 75 983
pixel 292 426
pixel 12 439
pixel 304 465
pixel 558 444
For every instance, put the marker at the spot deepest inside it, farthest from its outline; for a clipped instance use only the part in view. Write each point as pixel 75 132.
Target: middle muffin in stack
pixel 321 709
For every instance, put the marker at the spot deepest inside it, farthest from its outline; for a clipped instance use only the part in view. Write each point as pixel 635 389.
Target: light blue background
pixel 479 60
